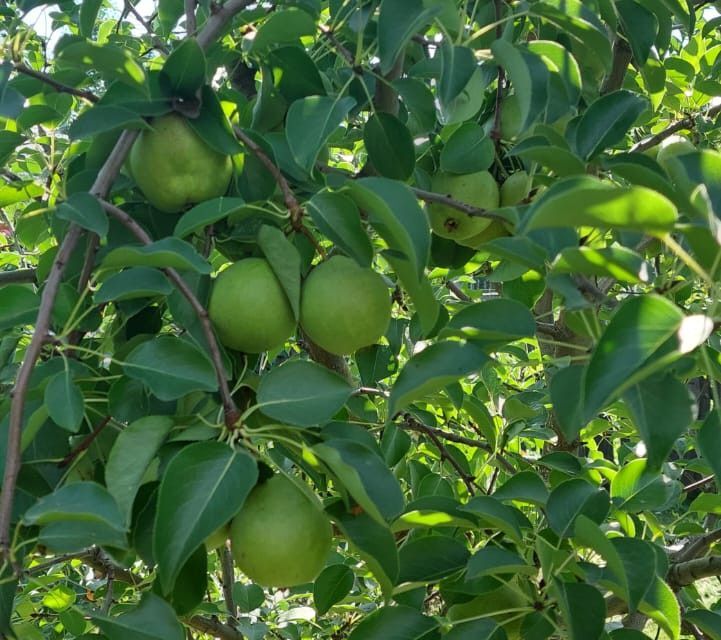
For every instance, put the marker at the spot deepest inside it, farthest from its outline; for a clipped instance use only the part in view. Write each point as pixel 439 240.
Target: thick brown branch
pixel 214 627
pixel 217 22
pixel 229 407
pixel 55 84
pixel 226 567
pixel 191 25
pixel 619 66
pixel 685 573
pixel 19 276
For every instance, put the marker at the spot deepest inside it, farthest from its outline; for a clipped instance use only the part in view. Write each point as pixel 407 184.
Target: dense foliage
pixel 527 446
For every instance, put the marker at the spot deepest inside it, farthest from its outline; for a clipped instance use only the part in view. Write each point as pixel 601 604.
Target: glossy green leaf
pixel 559 160
pixel 468 150
pixel 168 252
pixel 482 629
pixel 574 498
pixel 285 261
pixel 302 393
pixel 399 622
pixel 73 536
pixel 398 21
pixel 309 124
pixel 639 567
pixel 497 320
pixel 132 283
pixel 433 368
pixel 88 13
pixel 660 604
pixel 207 213
pixel 495 514
pixel 331 586
pixel 19 305
pixel 364 475
pixel 212 124
pixel 248 596
pixel 390 146
pixel 202 488
pixel 84 210
pixel 708 621
pixel 584 609
pixel 492 560
pixel 286 26
pixel 105 117
pixel 638 489
pixel 640 26
pixel 131 455
pixel 458 64
pixel 619 263
pixel 524 486
pixel 338 218
pixel 662 410
pixel 152 619
pixel 171 367
pixel 64 401
pixel 114 62
pixel 184 70
pixel 709 442
pixel 431 558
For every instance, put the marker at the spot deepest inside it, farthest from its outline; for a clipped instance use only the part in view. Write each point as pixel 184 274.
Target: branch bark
pixel 688 122
pixel 475 212
pixel 55 84
pixel 217 22
pixel 19 276
pixel 229 407
pixel 214 627
pixel 226 567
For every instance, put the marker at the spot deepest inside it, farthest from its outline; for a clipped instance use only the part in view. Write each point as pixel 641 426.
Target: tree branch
pixel 226 567
pixel 683 574
pixel 214 627
pixel 21 276
pixel 217 22
pixel 85 444
pixel 619 66
pixel 55 84
pixel 688 122
pixel 475 212
pixel 191 26
pixel 229 407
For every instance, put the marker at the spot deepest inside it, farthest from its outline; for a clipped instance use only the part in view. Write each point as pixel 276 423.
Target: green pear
pixel 515 189
pixel 280 538
pixel 477 189
pixel 344 306
pixel 249 307
pixel 510 117
pixel 494 230
pixel 175 168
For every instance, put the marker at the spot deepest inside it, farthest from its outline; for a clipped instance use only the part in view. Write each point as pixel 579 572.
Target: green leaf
pixel 332 585
pixel 662 410
pixel 168 252
pixel 433 368
pixel 468 150
pixel 184 70
pixel 499 320
pixel 708 621
pixel 586 201
pixel 309 124
pixel 105 117
pixel 434 511
pixel 364 475
pixel 136 282
pixel 630 348
pixel 482 629
pixel 72 536
pixel 9 141
pixel 574 498
pixel 207 213
pixel 248 596
pixel 494 514
pixel 606 121
pixel 709 442
pixel 640 25
pixel 637 489
pixel 396 623
pixel 19 305
pixel 584 609
pixel 529 76
pixel 458 64
pixel 286 26
pixel 85 502
pixel 302 393
pixel 131 455
pixel 169 12
pixel 524 486
pixel 337 217
pixel 59 598
pixel 566 389
pixel 431 558
pixel 171 367
pixel 212 124
pixel 113 62
pixel 152 619
pixel 191 586
pixel 296 75
pixel 660 605
pixel 492 560
pixel 390 146
pixel 8 587
pixel 619 263
pixel 565 79
pixel 398 22
pixel 88 13
pixel 373 541
pixel 285 261
pixel 84 210
pixel 559 160
pixel 202 488
pixel 64 401
pixel 639 568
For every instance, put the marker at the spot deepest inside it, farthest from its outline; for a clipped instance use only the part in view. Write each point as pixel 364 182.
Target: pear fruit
pixel 344 306
pixel 515 189
pixel 176 168
pixel 477 189
pixel 249 307
pixel 279 537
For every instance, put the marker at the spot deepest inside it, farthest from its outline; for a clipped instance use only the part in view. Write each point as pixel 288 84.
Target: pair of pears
pixel 343 306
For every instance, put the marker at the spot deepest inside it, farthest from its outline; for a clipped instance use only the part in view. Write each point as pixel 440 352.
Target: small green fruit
pixel 510 117
pixel 175 168
pixel 249 308
pixel 477 189
pixel 280 538
pixel 515 189
pixel 217 538
pixel 344 306
pixel 494 230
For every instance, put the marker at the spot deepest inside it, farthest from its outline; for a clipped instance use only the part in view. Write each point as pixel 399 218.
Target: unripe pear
pixel 249 307
pixel 176 168
pixel 280 538
pixel 344 306
pixel 510 117
pixel 477 189
pixel 515 189
pixel 671 147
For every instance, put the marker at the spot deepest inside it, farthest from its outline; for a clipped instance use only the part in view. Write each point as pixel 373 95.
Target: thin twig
pixel 229 407
pixel 469 209
pixel 291 202
pixel 218 20
pixel 457 291
pixel 339 47
pixel 228 576
pixel 191 25
pixel 19 276
pixel 688 122
pixel 108 602
pixel 55 84
pixel 85 444
pixel 214 627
